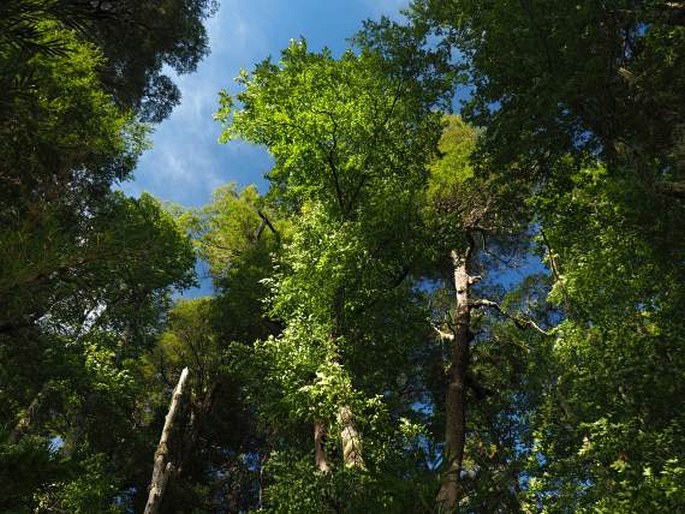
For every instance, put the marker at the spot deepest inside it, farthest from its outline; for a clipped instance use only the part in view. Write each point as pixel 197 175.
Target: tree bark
pixel 319 450
pixel 455 404
pixel 30 417
pixel 350 439
pixel 163 466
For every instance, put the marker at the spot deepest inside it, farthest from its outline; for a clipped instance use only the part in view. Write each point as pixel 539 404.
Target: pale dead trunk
pixel 319 449
pixel 455 408
pixel 163 466
pixel 350 439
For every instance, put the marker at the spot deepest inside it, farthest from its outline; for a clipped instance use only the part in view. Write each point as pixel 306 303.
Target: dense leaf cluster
pixel 425 313
pixel 86 272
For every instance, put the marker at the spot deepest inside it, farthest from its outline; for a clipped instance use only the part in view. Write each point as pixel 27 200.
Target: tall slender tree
pixel 580 102
pixel 350 138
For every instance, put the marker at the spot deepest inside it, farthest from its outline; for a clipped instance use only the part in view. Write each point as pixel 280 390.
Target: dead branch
pixel 522 322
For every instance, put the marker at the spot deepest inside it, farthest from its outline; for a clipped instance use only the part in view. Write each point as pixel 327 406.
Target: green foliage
pixel 324 287
pixel 351 138
pixel 608 430
pixel 110 256
pixel 25 468
pixel 239 235
pixel 92 492
pixel 454 168
pixel 297 490
pixel 339 130
pixel 570 77
pixel 157 34
pixel 215 442
pixel 171 33
pixel 578 114
pixel 86 272
pixel 80 141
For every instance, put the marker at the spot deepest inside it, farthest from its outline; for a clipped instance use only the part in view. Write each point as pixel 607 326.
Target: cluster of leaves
pixel 577 156
pixel 579 106
pixel 321 368
pixel 350 143
pixel 87 272
pixel 157 34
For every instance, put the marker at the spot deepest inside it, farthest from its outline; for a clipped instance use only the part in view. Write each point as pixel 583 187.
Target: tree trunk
pixel 351 440
pixel 319 450
pixel 455 408
pixel 262 463
pixel 31 416
pixel 163 466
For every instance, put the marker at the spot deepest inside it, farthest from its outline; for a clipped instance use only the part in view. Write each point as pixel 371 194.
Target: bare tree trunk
pixel 455 408
pixel 319 450
pixel 163 466
pixel 351 440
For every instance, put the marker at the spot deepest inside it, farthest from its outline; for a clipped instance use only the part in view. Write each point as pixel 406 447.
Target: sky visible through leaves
pixel 186 163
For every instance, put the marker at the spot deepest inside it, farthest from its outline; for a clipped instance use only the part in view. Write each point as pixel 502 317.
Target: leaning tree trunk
pixel 163 466
pixel 349 437
pixel 455 408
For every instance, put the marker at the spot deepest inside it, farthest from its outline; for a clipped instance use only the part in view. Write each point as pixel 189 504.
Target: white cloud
pixel 187 163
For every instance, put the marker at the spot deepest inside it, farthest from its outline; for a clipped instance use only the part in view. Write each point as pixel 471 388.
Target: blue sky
pixel 186 162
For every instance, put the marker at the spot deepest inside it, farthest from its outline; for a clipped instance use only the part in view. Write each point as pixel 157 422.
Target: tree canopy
pixel 427 311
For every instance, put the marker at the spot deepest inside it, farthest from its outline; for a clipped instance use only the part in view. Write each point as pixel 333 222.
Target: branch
pixel 550 254
pixel 443 335
pixel 373 140
pixel 522 322
pixel 162 372
pixel 555 271
pixel 671 13
pixel 396 282
pixel 672 189
pixel 232 251
pixel 471 241
pixel 268 223
pixel 330 157
pixel 260 229
pixel 196 355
